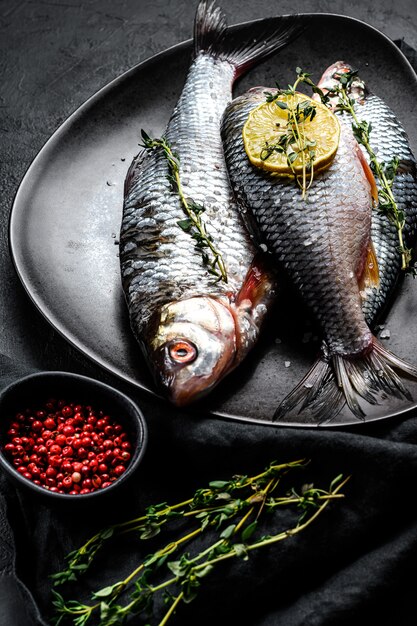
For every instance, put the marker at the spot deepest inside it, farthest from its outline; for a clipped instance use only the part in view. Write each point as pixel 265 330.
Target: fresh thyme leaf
pixel 185 224
pixel 81 620
pixel 248 531
pixel 219 484
pixel 281 105
pixel 292 156
pixel 228 531
pixel 270 97
pixel 58 601
pixel 151 529
pixel 107 533
pixel 240 551
pixel 107 592
pixel 146 139
pixel 335 482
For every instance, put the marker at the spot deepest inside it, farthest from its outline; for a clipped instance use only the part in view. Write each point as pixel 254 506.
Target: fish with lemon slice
pixel 319 234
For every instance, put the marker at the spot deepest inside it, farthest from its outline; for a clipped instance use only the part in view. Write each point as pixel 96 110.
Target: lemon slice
pixel 267 124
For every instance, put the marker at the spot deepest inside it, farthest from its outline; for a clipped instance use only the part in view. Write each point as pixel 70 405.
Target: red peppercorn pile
pixel 67 447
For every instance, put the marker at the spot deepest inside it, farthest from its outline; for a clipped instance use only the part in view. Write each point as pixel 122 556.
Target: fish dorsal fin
pixel 369 176
pixel 370 275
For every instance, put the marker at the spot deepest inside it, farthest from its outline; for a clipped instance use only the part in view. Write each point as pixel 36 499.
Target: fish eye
pixel 182 351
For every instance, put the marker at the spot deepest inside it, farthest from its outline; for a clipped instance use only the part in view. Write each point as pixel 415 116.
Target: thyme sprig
pixel 229 510
pixel 384 172
pixel 193 222
pixel 294 142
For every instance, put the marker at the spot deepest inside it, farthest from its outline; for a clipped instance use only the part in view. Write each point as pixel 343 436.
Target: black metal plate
pixel 66 215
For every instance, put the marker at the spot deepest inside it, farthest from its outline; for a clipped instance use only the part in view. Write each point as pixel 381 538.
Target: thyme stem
pixel 295 134
pixel 387 203
pixel 216 508
pixel 193 224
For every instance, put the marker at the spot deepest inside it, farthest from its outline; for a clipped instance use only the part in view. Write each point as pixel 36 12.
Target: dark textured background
pixel 54 55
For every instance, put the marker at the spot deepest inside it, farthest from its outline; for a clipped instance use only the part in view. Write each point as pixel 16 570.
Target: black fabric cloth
pixel 357 564
pixel 17 607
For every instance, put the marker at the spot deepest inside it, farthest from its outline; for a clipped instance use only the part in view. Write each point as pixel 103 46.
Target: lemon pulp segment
pixel 267 123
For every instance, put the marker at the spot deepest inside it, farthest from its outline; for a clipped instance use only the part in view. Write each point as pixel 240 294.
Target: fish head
pixel 191 347
pixel 331 78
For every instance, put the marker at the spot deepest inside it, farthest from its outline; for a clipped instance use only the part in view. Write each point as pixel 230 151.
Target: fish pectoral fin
pixel 259 284
pixel 369 176
pixel 370 274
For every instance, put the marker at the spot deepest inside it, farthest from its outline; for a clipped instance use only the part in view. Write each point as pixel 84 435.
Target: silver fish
pixel 323 244
pixel 193 329
pixel 389 139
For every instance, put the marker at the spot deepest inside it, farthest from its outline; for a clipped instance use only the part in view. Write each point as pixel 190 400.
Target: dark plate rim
pixel 55 137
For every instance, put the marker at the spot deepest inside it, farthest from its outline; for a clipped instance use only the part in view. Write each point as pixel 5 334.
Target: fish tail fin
pixel 242 52
pixel 209 27
pixel 332 382
pixel 316 392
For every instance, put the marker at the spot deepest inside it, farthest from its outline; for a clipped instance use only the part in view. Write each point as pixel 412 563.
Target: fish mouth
pixel 332 75
pixel 194 343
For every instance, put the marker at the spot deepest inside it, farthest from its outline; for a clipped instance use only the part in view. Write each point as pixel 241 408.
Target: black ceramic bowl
pixel 37 388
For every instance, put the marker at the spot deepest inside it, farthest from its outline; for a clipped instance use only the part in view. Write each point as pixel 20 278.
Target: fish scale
pixel 197 143
pixel 291 223
pixel 193 133
pixel 160 263
pixel 388 139
pixel 192 327
pixel 323 244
